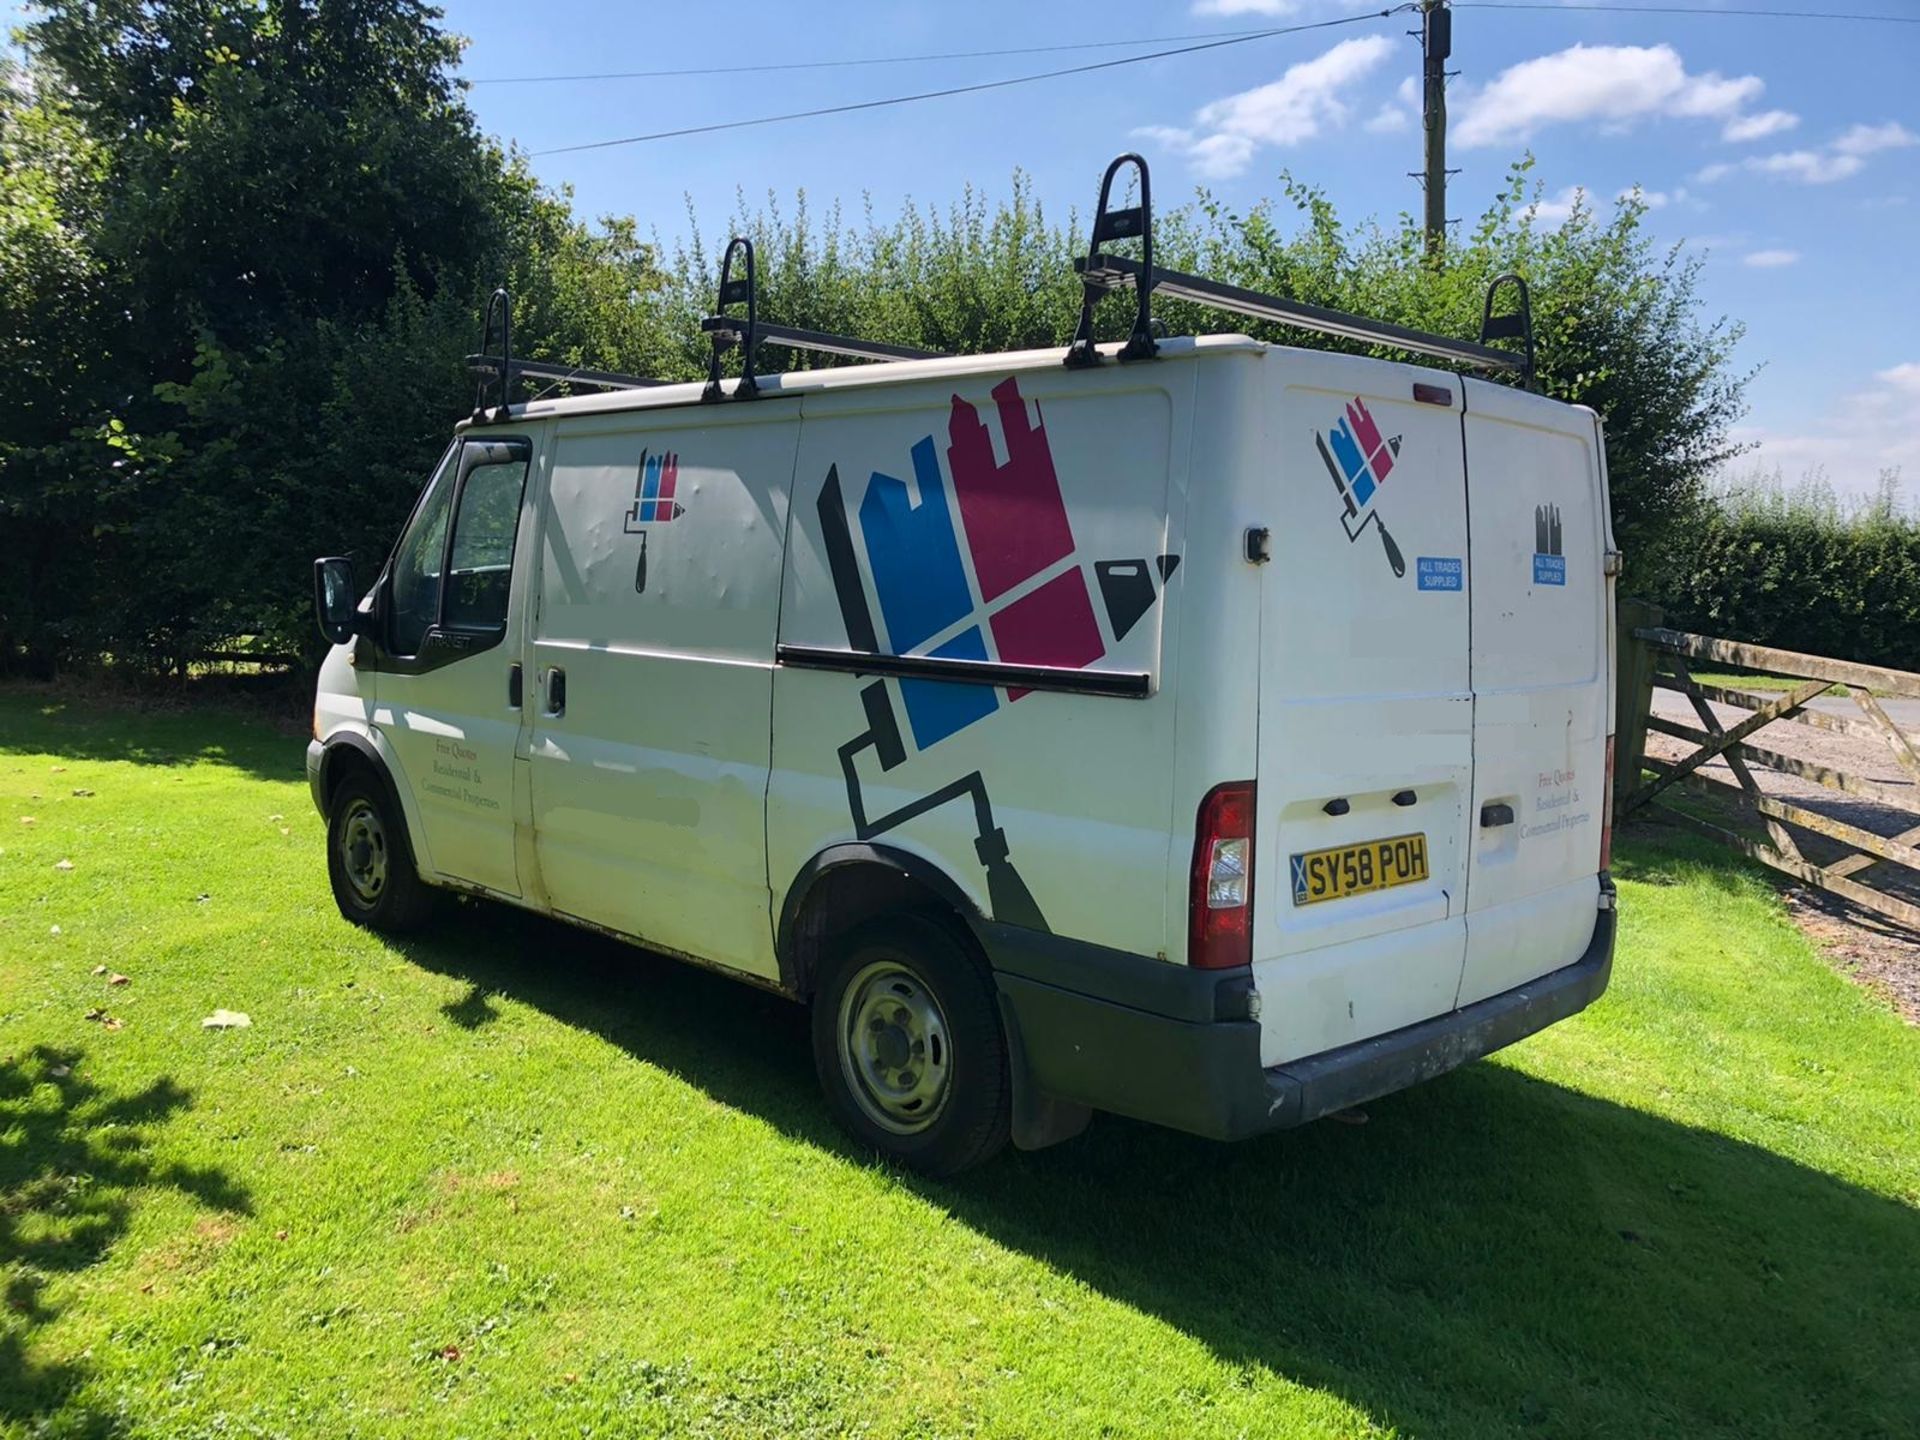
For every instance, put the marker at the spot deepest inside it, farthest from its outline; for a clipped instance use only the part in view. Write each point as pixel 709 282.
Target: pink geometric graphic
pixel 1053 625
pixel 1368 434
pixel 1015 520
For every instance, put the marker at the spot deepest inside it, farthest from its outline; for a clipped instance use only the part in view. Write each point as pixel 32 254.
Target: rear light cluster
pixel 1220 895
pixel 1606 814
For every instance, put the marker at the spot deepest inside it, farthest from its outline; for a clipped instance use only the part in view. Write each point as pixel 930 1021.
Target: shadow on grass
pixel 79 724
pixel 71 1164
pixel 1491 1255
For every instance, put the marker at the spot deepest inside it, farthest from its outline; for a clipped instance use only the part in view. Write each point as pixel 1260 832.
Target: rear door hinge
pixel 1612 563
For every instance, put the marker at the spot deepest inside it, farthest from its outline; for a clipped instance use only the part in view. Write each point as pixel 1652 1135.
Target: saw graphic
pixel 1363 464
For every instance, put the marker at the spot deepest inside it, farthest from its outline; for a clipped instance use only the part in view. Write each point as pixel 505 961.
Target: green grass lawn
pixel 518 1181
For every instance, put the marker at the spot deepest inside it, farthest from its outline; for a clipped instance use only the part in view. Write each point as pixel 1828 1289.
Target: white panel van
pixel 1203 730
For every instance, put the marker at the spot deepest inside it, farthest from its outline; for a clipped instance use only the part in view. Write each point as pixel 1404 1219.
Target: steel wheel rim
pixel 363 852
pixel 894 1049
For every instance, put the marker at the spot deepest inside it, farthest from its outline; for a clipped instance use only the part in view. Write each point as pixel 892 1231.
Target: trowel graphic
pixel 1364 462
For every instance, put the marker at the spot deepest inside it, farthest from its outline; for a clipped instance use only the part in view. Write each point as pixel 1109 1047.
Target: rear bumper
pixel 1190 1064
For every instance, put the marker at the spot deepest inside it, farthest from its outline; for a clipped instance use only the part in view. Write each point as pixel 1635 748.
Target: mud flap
pixel 1039 1120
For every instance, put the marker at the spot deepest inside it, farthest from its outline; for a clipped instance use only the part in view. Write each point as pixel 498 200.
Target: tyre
pixel 908 1045
pixel 370 862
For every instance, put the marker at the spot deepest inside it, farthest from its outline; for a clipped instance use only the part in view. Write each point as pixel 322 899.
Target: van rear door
pixel 1541 684
pixel 1366 715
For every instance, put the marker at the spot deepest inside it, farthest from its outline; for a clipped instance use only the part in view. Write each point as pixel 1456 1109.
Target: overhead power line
pixel 1710 10
pixel 1560 6
pixel 870 60
pixel 1217 44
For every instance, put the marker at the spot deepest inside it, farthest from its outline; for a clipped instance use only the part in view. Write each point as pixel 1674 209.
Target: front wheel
pixel 908 1045
pixel 369 861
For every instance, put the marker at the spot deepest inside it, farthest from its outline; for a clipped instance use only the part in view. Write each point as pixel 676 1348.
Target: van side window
pixel 480 565
pixel 416 564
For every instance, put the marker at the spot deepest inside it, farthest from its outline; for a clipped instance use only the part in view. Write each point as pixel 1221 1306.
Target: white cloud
pixel 1771 259
pixel 1809 167
pixel 1554 211
pixel 1388 119
pixel 1759 126
pixel 1611 84
pixel 1903 377
pixel 1869 430
pixel 1843 157
pixel 1657 199
pixel 1864 140
pixel 1298 106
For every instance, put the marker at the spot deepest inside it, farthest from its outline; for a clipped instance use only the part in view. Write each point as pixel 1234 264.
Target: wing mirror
pixel 336 599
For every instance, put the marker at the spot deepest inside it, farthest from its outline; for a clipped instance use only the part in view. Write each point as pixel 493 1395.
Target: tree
pixel 248 243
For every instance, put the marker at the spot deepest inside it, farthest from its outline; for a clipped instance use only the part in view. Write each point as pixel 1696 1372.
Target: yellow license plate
pixel 1343 870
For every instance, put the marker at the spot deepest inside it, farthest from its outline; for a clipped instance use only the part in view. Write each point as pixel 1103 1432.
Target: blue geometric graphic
pixel 936 708
pixel 913 555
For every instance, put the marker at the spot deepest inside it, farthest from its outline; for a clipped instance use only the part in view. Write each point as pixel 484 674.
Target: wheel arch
pixel 348 752
pixel 845 885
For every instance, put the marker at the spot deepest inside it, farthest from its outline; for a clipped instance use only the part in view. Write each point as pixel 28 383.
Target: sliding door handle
pixel 556 691
pixel 1492 815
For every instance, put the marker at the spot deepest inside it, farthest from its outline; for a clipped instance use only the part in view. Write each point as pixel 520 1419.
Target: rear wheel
pixel 369 861
pixel 908 1045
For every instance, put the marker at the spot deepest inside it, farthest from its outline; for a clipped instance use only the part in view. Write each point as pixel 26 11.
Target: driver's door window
pixel 480 560
pixel 415 603
pixel 460 584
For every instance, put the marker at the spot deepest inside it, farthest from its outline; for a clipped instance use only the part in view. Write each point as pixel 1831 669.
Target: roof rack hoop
pixel 1516 324
pixel 504 303
pixel 734 292
pixel 1135 221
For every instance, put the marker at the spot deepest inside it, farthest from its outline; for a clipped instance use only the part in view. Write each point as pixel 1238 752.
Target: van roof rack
pixel 752 332
pixel 506 369
pixel 1101 274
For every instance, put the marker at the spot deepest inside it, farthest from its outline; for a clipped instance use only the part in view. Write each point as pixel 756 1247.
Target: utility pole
pixel 1436 44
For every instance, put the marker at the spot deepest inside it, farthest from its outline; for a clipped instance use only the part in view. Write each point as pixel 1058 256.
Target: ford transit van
pixel 1199 729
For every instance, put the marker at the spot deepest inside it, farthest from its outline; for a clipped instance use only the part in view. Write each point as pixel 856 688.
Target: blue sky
pixel 1788 150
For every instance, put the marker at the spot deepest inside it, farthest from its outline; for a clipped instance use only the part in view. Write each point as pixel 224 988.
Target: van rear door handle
pixel 1492 815
pixel 556 691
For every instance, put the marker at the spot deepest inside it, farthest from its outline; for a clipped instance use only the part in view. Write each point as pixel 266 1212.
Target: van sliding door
pixel 651 677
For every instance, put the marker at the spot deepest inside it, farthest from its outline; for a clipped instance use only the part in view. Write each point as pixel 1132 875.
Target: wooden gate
pixel 1665 661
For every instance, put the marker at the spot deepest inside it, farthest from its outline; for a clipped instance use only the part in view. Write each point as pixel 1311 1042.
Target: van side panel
pixel 990 518
pixel 1542 684
pixel 1366 715
pixel 660 554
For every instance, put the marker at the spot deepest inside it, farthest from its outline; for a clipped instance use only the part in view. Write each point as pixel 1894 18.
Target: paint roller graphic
pixel 1007 892
pixel 1364 462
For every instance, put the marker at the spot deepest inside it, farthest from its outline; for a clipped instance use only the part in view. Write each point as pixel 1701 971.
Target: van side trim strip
pixel 1125 685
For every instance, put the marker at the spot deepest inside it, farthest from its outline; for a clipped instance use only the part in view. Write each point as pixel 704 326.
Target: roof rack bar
pixel 572 374
pixel 1115 272
pixel 818 340
pixel 1101 274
